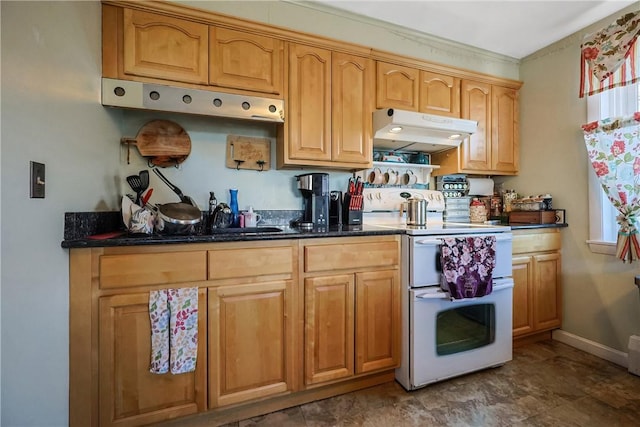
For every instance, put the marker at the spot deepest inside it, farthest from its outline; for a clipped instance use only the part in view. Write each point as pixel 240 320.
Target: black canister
pixel 547 201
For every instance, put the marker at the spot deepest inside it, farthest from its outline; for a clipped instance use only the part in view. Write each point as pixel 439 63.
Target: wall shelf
pixel 401 165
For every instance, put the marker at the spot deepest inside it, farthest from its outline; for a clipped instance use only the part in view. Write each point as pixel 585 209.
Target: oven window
pixel 465 328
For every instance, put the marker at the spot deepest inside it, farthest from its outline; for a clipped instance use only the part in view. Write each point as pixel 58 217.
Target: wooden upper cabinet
pixel 397 87
pixel 165 48
pixel 309 107
pixel 330 106
pixel 246 61
pixel 476 105
pixel 352 82
pixel 505 138
pixel 439 94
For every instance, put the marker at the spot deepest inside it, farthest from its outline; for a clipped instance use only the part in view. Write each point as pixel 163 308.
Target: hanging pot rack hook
pixel 261 164
pixel 238 163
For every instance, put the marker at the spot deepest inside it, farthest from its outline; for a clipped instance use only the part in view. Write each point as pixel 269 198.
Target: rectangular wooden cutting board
pixel 248 152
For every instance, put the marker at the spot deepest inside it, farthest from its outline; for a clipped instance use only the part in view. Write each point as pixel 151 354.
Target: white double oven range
pixel 444 337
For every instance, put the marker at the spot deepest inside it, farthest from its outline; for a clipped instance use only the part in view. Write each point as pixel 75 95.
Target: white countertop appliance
pixel 442 337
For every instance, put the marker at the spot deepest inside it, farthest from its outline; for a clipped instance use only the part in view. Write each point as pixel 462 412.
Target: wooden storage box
pixel 532 217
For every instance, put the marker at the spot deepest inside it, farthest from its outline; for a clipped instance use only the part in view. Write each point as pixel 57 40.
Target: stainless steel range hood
pixel 149 96
pixel 412 131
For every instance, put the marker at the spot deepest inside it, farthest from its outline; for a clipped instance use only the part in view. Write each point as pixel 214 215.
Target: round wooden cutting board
pixel 163 142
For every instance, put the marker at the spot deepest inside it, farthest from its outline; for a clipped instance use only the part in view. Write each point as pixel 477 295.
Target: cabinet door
pixel 165 48
pixel 397 87
pixel 309 116
pixel 439 94
pixel 352 85
pixel 522 295
pixel 377 320
pixel 547 301
pixel 476 105
pixel 129 393
pixel 245 61
pixel 250 342
pixel 504 130
pixel 328 318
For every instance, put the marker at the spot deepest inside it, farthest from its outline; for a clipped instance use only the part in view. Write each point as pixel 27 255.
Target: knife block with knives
pixel 353 203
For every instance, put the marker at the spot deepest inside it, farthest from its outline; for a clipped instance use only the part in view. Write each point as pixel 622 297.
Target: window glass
pixel 621 101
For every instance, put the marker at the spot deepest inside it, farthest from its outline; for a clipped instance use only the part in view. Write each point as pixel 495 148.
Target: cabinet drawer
pixel 536 242
pixel 121 271
pixel 350 255
pixel 246 262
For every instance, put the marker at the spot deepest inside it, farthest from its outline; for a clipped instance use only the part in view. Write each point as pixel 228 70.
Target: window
pixel 603 229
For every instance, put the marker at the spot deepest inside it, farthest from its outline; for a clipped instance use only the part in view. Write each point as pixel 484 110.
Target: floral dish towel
pixel 174 330
pixel 467 266
pixel 159 315
pixel 183 337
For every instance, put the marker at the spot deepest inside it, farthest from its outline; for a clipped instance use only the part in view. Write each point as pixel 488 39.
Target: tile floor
pixel 546 384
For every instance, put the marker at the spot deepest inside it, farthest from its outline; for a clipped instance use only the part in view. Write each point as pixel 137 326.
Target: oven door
pixel 454 337
pixel 424 258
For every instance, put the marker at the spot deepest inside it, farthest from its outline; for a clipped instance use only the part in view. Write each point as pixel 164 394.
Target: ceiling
pixel 513 28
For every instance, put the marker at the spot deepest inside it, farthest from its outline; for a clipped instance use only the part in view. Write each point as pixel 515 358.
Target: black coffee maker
pixel 315 200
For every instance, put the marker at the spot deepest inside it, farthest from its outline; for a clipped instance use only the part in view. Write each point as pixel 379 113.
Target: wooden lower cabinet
pixel 251 348
pixel 270 335
pixel 352 319
pixel 537 294
pixel 329 327
pixel 130 394
pixel 377 320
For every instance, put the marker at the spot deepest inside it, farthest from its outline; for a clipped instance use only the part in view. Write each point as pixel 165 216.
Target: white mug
pixel 409 178
pixel 376 177
pixel 251 219
pixel 391 177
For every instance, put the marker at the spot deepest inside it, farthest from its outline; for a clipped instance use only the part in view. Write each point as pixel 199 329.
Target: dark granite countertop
pixel 286 233
pixel 80 226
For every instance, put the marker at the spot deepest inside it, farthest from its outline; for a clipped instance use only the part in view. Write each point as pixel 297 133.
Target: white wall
pixel 601 302
pixel 50 114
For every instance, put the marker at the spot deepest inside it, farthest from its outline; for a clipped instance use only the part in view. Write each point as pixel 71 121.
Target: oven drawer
pixel 424 258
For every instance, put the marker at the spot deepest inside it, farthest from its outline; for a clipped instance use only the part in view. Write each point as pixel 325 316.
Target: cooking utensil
pixel 144 180
pixel 183 198
pixel 135 183
pixel 163 142
pixel 416 211
pixel 177 218
pixel 146 197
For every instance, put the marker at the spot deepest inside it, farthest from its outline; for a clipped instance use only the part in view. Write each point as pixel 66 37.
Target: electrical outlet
pixel 36 180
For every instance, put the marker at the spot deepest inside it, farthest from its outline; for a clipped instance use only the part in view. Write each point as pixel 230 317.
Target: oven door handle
pixel 500 237
pixel 433 295
pixel 428 242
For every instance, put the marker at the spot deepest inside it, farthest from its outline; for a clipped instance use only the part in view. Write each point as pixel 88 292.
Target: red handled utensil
pixel 147 196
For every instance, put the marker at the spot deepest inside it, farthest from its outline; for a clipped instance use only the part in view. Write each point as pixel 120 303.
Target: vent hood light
pixel 412 131
pixel 148 96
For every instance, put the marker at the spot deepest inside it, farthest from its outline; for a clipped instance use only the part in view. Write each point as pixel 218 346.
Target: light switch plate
pixel 36 181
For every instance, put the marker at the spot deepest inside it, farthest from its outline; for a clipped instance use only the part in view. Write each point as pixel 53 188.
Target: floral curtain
pixel 613 146
pixel 611 57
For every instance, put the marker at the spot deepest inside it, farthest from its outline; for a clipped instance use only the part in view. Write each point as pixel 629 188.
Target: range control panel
pixel 391 199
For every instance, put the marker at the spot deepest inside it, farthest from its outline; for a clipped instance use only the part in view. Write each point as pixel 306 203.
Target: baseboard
pixel 607 353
